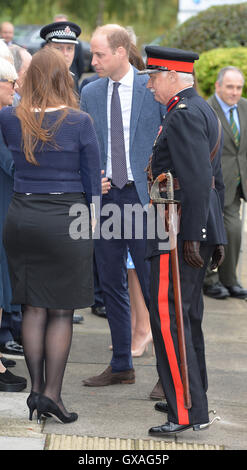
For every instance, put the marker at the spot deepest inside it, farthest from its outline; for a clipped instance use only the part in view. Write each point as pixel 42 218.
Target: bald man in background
pixel 7 32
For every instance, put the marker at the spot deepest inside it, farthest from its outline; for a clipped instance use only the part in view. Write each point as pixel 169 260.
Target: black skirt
pixel 50 261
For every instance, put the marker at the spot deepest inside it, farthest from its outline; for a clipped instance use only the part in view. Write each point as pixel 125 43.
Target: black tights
pixel 46 337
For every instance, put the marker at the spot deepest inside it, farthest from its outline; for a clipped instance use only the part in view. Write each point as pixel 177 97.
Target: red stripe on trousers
pixel 183 415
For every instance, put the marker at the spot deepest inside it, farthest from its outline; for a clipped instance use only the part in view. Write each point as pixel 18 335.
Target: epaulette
pixel 182 104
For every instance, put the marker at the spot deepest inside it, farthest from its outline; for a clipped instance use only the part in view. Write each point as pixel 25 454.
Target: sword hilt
pixel 169 186
pixel 155 189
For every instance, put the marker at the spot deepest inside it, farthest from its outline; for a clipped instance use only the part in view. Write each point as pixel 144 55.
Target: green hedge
pixel 219 26
pixel 210 62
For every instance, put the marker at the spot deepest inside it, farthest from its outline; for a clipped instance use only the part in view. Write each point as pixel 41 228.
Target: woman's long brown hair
pixel 47 84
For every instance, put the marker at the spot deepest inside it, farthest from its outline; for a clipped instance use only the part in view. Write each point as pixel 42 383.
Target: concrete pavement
pixel 123 413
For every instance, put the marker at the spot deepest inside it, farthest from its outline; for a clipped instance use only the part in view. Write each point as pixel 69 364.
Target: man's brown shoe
pixel 111 378
pixel 157 392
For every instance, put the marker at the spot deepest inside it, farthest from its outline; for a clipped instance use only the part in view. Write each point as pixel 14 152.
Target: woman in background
pixel 8 381
pixel 57 165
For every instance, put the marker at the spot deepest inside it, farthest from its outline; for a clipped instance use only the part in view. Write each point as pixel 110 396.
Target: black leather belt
pixel 129 183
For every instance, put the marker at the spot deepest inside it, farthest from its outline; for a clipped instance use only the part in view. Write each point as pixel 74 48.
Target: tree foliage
pixel 218 26
pixel 149 18
pixel 7 8
pixel 211 62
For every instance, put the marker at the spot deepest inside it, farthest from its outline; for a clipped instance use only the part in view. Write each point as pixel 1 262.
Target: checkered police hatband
pixel 61 34
pixel 67 41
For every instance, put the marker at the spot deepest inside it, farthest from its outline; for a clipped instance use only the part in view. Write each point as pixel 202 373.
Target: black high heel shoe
pixel 32 401
pixel 46 405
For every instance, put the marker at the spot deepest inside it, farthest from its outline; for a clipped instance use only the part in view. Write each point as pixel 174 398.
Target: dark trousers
pixel 227 272
pixel 10 326
pixel 164 329
pixel 111 259
pixel 98 296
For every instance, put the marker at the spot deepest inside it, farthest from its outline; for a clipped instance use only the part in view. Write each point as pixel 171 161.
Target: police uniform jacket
pixel 186 138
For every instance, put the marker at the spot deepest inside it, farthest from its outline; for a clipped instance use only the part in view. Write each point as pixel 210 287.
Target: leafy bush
pixel 218 26
pixel 210 63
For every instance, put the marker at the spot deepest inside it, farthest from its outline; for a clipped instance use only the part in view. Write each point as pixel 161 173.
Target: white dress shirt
pixel 125 91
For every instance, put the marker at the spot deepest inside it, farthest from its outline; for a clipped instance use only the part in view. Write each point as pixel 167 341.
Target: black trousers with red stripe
pixel 163 323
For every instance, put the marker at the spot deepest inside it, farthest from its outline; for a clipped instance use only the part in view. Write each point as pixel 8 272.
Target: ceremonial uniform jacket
pixel 188 135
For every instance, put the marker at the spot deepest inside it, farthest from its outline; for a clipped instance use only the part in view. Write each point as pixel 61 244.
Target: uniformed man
pixel 62 35
pixel 189 146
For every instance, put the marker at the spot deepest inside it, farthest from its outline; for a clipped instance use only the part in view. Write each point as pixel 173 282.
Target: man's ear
pixel 121 51
pixel 173 76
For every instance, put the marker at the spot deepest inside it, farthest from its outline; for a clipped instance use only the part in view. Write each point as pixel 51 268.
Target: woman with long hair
pixel 57 165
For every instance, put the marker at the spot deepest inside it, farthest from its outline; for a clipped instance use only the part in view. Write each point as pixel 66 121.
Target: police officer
pixel 189 146
pixel 63 35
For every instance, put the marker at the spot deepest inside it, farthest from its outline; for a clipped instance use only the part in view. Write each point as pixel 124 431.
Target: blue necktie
pixel 118 156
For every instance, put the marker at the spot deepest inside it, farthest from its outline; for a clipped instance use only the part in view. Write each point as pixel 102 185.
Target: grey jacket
pixel 234 160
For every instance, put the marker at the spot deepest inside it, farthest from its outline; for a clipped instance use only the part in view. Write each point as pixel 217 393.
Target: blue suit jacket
pixel 146 117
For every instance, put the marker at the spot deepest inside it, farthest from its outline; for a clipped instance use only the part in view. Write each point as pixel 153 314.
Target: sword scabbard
pixel 180 327
pixel 173 230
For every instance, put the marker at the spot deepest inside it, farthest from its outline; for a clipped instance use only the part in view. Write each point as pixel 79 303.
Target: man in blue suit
pixel 124 181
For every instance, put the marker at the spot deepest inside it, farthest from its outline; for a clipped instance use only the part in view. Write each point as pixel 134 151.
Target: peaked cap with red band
pixel 162 59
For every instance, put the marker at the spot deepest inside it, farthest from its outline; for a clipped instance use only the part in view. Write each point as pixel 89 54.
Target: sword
pixel 173 230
